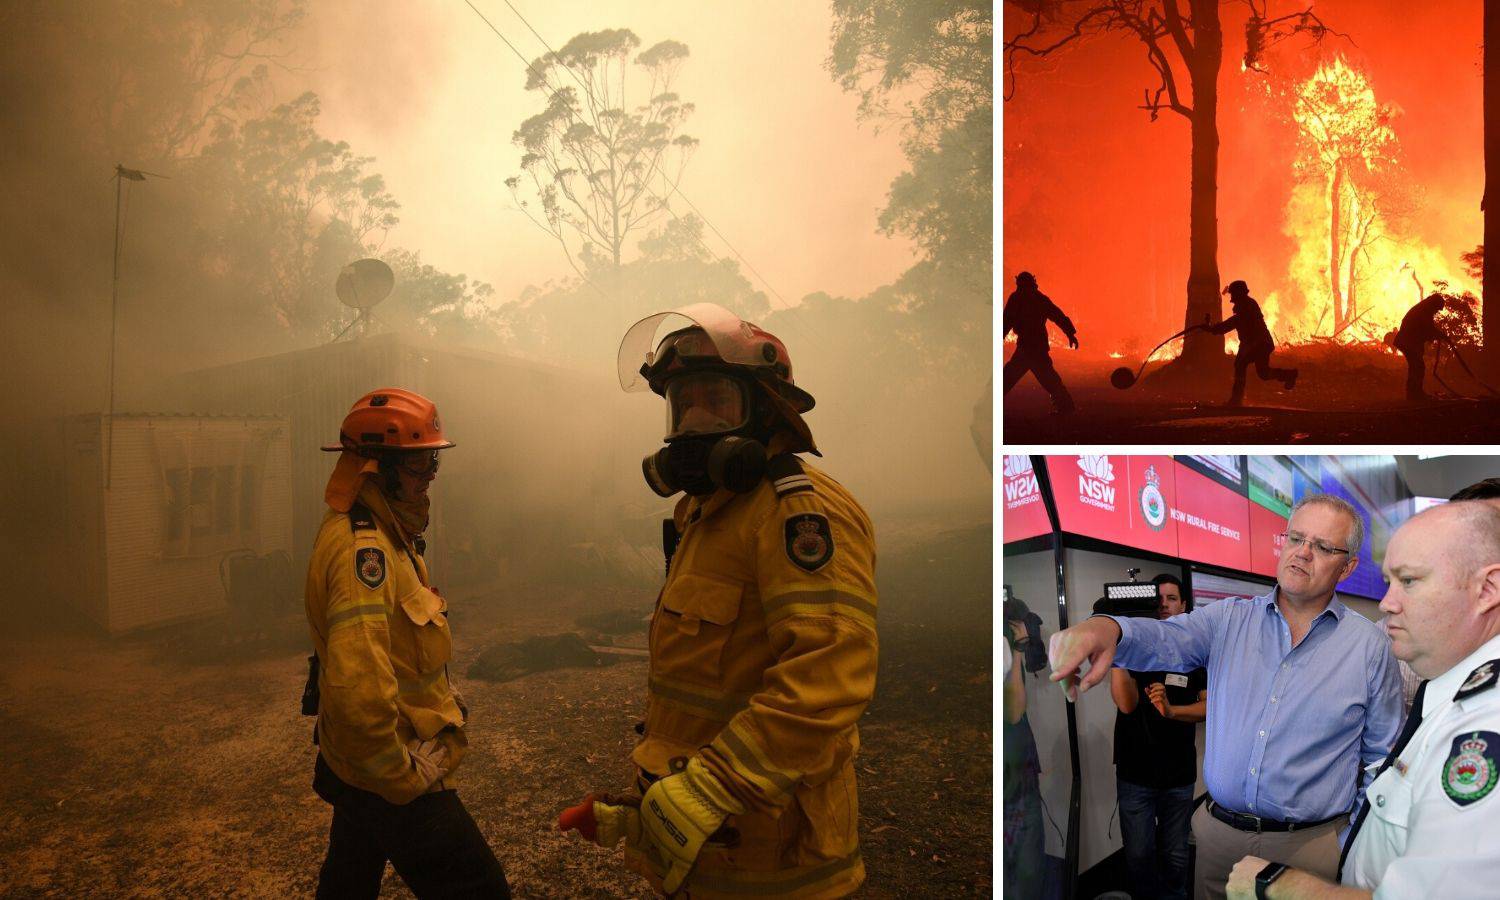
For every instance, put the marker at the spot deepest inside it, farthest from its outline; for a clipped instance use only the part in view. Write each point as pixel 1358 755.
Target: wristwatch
pixel 1263 879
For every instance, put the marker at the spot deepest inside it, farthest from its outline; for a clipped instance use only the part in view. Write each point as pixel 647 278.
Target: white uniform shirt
pixel 1434 824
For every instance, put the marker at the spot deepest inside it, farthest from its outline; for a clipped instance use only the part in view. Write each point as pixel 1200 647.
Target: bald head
pixel 1443 599
pixel 1472 527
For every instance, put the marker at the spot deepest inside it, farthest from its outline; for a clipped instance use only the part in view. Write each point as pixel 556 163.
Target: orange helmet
pixel 391 419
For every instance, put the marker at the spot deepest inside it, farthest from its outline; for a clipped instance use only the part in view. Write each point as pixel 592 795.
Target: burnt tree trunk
pixel 1335 252
pixel 1203 238
pixel 1490 312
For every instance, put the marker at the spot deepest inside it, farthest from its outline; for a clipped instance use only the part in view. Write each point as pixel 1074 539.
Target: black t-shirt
pixel 1153 751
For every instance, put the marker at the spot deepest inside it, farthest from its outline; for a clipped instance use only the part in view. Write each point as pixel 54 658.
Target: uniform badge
pixel 369 565
pixel 1470 772
pixel 1481 679
pixel 809 541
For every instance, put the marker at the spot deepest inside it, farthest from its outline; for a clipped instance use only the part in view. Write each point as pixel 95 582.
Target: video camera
pixel 1132 599
pixel 1015 610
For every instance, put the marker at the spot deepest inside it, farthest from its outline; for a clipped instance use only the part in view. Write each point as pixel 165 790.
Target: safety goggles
pixel 705 403
pixel 418 463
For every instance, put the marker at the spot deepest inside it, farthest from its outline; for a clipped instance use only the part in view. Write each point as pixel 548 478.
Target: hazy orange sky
pixel 785 170
pixel 1096 194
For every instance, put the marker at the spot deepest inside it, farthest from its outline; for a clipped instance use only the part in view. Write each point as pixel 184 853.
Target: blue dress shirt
pixel 1290 729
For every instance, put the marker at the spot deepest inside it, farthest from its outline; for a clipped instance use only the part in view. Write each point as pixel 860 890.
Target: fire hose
pixel 1437 359
pixel 1123 378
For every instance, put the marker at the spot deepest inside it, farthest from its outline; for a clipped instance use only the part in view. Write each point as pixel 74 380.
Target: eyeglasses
pixel 1294 540
pixel 419 464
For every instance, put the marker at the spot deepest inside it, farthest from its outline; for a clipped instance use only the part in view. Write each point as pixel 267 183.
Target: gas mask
pixel 714 439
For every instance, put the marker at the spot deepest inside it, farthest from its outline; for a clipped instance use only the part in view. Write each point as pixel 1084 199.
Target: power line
pixel 675 189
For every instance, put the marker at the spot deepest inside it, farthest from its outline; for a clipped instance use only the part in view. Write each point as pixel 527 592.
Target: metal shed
pixel 495 517
pixel 155 503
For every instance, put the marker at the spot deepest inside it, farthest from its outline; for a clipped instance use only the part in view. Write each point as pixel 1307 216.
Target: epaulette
pixel 787 475
pixel 360 518
pixel 1479 680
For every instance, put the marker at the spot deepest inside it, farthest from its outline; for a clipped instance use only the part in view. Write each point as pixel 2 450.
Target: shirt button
pixel 1252 770
pixel 1380 800
pixel 1285 666
pixel 1273 699
pixel 1262 734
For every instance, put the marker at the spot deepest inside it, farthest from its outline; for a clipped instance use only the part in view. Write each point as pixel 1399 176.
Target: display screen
pixel 1266 530
pixel 1213 523
pixel 1025 515
pixel 1123 499
pixel 1186 507
pixel 1365 580
pixel 1226 470
pixel 1271 483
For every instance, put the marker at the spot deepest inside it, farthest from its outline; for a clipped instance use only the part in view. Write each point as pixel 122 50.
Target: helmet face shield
pixel 701 403
pixel 729 339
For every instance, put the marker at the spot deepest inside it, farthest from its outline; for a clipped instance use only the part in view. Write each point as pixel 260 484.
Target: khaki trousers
pixel 1220 846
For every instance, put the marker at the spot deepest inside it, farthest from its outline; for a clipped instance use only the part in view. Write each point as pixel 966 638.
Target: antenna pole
pixel 114 317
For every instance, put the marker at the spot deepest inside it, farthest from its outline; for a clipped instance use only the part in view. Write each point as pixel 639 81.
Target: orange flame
pixel 1360 262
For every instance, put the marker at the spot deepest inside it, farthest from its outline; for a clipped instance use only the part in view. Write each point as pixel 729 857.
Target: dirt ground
pixel 1343 395
pixel 177 764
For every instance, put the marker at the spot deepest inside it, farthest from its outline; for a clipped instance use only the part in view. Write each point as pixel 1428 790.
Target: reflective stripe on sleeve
pixel 741 751
pixel 698 700
pixel 823 602
pixel 350 615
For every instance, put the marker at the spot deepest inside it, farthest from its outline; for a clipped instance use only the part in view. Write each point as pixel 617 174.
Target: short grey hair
pixel 1332 501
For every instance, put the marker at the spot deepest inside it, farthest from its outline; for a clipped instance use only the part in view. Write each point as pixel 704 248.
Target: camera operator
pixel 1156 762
pixel 1024 851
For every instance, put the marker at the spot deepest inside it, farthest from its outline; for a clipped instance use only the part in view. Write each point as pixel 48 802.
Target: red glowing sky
pixel 1096 195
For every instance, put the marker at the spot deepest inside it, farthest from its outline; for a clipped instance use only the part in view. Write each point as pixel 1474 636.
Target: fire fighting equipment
pixel 1237 289
pixel 763 656
pixel 718 341
pixel 383 644
pixel 701 466
pixel 678 814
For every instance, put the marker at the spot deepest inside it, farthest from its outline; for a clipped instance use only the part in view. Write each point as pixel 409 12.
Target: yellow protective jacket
pixel 383 644
pixel 763 653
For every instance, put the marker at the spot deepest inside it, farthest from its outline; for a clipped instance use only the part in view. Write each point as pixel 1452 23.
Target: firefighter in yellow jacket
pixel 390 724
pixel 763 644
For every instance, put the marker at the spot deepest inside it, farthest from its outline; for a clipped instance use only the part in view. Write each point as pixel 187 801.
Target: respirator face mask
pixel 712 439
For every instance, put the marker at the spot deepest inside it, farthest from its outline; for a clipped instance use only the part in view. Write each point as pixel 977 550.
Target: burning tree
pixel 1181 39
pixel 1348 148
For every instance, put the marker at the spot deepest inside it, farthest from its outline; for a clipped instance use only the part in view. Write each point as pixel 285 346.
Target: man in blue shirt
pixel 1303 694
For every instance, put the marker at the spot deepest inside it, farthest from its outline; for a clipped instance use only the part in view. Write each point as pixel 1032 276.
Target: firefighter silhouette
pixel 1255 342
pixel 1027 312
pixel 1418 327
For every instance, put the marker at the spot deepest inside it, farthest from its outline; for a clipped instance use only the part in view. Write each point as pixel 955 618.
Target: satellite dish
pixel 364 283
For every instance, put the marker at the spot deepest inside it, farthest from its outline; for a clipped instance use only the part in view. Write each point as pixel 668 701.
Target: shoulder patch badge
pixel 1481 679
pixel 1470 773
pixel 369 565
pixel 809 541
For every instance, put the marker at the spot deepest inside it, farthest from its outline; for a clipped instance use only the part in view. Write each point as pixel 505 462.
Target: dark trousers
pixel 1414 370
pixel 1154 825
pixel 1023 863
pixel 1038 363
pixel 1261 360
pixel 432 842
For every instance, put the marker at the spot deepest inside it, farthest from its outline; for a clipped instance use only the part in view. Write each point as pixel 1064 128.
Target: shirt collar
pixel 1335 606
pixel 1442 688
